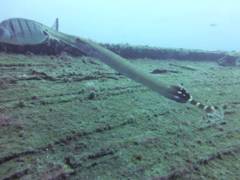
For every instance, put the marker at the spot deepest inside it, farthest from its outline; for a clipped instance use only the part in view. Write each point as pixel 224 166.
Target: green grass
pixel 56 127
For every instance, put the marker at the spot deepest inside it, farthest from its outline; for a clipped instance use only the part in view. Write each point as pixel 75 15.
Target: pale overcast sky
pixel 196 24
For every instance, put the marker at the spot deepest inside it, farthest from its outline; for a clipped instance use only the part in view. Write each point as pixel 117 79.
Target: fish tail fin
pixel 202 106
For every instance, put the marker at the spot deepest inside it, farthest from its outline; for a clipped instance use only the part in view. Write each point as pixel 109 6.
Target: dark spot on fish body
pixel 21 27
pixel 33 27
pixel 193 102
pixel 201 106
pixel 209 109
pixel 28 27
pixel 1 32
pixel 5 24
pixel 12 28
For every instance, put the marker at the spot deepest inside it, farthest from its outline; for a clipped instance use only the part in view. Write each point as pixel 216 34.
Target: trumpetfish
pixel 21 32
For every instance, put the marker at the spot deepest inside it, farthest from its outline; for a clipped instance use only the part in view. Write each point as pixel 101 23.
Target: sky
pixel 192 24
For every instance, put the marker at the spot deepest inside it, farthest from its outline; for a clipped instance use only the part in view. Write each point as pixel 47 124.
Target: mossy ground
pixel 77 118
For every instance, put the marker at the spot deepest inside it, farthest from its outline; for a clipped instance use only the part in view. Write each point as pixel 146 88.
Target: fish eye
pixel 45 33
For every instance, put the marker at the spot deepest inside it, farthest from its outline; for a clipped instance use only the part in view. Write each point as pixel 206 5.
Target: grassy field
pixel 75 118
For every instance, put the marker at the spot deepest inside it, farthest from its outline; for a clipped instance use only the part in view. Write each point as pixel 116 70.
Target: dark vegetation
pixel 53 47
pixel 139 52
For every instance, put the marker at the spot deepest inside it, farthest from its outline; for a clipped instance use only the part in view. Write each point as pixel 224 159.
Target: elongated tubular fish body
pixel 121 65
pixel 201 106
pixel 27 32
pixel 116 62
